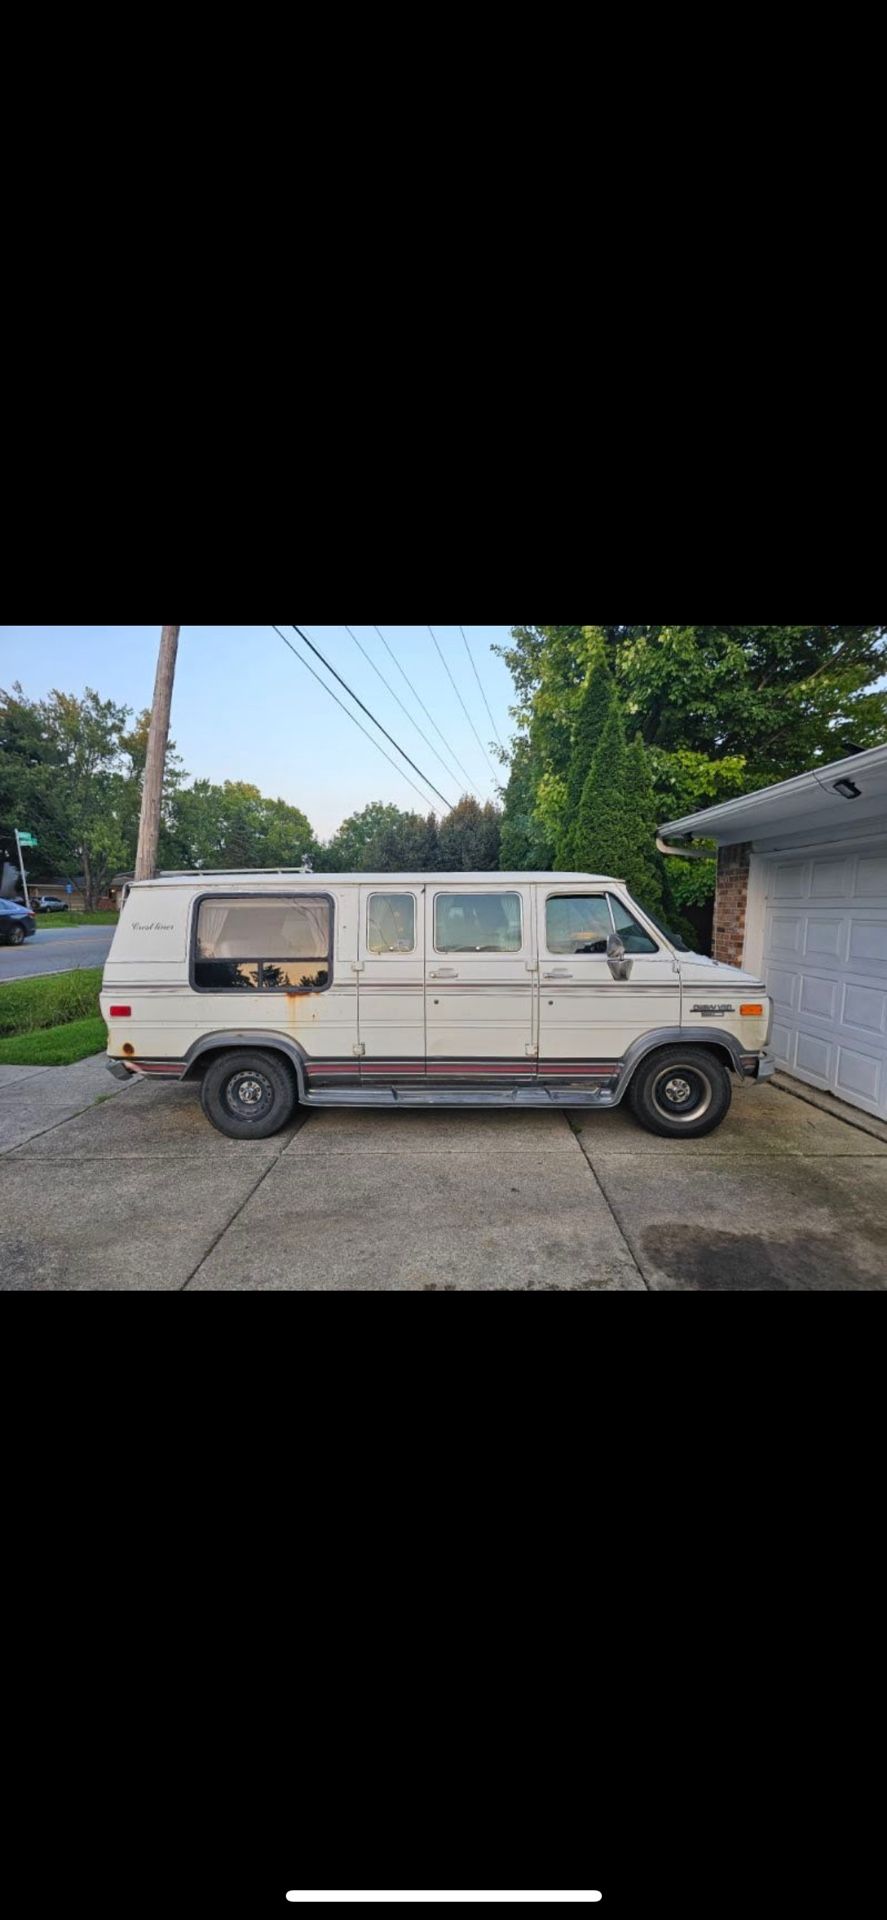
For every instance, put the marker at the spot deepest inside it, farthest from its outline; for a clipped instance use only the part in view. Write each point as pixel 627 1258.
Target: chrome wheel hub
pixel 249 1096
pixel 682 1093
pixel 249 1093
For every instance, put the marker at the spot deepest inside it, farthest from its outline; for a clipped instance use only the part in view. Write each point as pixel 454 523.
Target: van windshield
pixel 660 925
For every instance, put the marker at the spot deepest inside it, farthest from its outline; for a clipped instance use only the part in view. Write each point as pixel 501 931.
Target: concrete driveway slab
pixel 410 1220
pixel 9 1075
pixel 486 1130
pixel 763 1123
pixel 146 1228
pixel 715 1224
pixel 152 1122
pixel 50 1095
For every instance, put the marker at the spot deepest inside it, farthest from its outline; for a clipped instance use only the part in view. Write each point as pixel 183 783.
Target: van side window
pixel 633 936
pixel 577 923
pixel 263 945
pixel 477 923
pixel 391 923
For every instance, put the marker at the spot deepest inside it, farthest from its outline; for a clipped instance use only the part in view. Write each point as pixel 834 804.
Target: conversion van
pixel 444 989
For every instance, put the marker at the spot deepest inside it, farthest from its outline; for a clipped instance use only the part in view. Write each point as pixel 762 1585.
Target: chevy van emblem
pixel 700 1007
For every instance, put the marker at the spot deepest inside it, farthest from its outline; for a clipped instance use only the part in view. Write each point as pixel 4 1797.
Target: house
pixel 802 901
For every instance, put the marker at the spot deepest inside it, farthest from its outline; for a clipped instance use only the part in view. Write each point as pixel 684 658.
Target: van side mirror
pixel 619 965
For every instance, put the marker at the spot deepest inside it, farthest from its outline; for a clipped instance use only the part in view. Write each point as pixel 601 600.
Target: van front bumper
pixel 758 1066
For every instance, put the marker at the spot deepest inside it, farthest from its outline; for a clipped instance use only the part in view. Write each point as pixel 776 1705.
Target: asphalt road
pixel 55 949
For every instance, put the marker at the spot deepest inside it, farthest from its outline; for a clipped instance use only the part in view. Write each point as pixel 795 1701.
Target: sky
pixel 245 709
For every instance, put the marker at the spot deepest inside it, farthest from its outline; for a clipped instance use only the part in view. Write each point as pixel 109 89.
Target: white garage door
pixel 825 963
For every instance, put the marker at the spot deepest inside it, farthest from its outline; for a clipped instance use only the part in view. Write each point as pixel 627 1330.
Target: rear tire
pixel 17 937
pixel 248 1095
pixel 681 1092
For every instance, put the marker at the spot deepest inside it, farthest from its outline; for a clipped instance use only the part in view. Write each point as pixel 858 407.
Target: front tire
pixel 248 1095
pixel 681 1092
pixel 17 937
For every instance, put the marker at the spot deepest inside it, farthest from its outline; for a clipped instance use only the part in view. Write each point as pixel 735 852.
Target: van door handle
pixel 558 973
pixel 444 973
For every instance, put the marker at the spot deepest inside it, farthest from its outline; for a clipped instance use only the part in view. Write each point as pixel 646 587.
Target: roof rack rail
pixel 175 873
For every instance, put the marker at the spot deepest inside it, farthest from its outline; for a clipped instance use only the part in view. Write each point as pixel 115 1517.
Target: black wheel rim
pixel 249 1095
pixel 682 1093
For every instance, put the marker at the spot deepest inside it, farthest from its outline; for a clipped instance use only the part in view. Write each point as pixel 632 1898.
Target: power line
pixel 396 696
pixel 428 716
pixel 340 703
pixel 480 684
pixel 371 716
pixel 464 708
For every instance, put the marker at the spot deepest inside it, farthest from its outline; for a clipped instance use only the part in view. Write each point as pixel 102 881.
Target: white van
pixel 444 989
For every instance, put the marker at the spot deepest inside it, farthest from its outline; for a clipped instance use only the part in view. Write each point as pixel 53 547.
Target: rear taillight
pixel 119 1013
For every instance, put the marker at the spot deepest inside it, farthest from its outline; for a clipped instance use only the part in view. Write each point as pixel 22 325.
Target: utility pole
pixel 155 760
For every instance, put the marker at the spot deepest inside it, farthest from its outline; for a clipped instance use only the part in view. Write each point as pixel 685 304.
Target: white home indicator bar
pixel 539 1898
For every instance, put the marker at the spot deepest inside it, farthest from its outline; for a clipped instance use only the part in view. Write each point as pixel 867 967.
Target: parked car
pixel 425 989
pixel 50 903
pixel 16 923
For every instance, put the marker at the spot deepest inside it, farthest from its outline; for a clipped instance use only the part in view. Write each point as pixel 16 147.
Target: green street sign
pixel 27 840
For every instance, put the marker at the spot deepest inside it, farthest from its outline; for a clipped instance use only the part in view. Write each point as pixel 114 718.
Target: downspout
pixel 684 853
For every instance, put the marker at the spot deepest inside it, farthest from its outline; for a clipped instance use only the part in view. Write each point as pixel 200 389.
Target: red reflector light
pixel 119 1013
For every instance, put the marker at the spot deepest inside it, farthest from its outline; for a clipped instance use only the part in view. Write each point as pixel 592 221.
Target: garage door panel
pixel 825 940
pixel 815 1056
pixel 858 1073
pixel 826 966
pixel 865 1007
pixel 782 1040
pixel 790 880
pixel 871 876
pixel 818 996
pixel 783 987
pixel 786 933
pixel 868 943
pixel 832 879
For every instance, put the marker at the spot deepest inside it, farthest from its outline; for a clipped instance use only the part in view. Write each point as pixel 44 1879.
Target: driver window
pixel 630 932
pixel 577 923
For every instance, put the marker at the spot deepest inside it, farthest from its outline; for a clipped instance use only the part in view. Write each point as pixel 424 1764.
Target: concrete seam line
pixel 608 1204
pixel 18 1145
pixel 803 1093
pixel 300 1123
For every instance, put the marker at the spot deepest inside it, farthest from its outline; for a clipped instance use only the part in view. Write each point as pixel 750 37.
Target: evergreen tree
pixel 644 874
pixel 598 698
pixel 525 843
pixel 604 840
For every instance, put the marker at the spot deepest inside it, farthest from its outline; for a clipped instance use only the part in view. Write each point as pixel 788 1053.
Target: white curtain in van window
pixel 263 930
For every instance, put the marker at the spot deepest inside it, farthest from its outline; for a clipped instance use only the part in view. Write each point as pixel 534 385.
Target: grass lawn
pixel 31 1006
pixel 76 919
pixel 55 1046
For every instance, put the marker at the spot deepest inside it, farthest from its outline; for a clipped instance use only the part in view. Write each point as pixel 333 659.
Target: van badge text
pixel 700 1007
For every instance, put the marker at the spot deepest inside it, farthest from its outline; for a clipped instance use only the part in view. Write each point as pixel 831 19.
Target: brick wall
pixel 730 903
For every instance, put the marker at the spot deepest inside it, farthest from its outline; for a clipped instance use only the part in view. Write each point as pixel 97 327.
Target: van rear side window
pixel 263 945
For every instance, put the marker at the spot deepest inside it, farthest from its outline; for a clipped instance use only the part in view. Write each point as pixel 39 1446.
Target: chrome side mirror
pixel 619 965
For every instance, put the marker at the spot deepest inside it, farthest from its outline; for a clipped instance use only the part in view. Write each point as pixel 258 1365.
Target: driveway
pixel 109 1186
pixel 55 949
